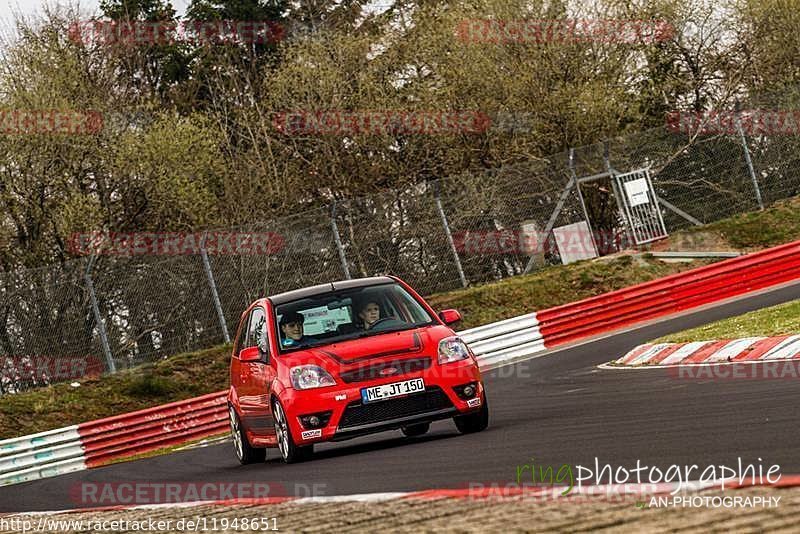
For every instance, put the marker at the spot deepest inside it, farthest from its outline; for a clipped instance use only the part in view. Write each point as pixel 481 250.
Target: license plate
pixel 395 389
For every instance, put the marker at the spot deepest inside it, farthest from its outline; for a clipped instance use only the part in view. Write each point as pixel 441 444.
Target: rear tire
pixel 290 452
pixel 416 430
pixel 245 453
pixel 474 422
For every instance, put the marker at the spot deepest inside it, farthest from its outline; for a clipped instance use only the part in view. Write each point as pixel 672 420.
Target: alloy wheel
pixel 281 430
pixel 235 433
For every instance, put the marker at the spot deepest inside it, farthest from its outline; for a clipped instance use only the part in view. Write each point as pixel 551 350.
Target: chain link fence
pixel 106 313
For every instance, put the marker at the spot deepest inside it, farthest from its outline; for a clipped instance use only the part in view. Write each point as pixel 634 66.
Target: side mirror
pixel 449 316
pixel 250 354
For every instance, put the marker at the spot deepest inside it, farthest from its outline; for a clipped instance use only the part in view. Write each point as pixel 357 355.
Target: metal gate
pixel 641 206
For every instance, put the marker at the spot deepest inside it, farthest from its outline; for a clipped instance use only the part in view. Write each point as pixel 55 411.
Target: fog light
pixel 315 420
pixel 466 391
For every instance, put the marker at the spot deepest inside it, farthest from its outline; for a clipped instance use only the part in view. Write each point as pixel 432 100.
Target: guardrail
pixel 41 455
pixel 671 294
pixel 134 433
pixel 507 339
pixel 98 442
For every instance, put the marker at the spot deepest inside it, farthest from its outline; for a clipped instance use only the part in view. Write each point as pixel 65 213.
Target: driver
pixel 369 314
pixel 291 325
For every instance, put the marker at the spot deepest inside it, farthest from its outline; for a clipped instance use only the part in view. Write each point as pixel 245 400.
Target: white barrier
pixel 40 455
pixel 504 340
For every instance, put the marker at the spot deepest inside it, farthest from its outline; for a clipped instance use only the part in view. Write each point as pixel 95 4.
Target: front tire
pixel 474 422
pixel 416 430
pixel 290 452
pixel 245 453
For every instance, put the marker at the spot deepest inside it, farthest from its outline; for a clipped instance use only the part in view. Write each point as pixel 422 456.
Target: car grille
pixel 357 414
pixel 373 371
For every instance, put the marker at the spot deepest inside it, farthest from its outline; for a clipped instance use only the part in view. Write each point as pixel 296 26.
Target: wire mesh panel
pixel 301 251
pixel 47 331
pixel 154 307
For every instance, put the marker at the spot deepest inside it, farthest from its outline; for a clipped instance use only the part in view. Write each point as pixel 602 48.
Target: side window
pixel 257 330
pixel 389 309
pixel 241 341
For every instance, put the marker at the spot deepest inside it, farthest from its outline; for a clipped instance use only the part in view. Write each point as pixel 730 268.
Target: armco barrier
pixel 98 442
pixel 130 434
pixel 505 339
pixel 671 294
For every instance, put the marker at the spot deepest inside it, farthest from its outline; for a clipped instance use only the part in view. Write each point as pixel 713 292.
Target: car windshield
pixel 347 314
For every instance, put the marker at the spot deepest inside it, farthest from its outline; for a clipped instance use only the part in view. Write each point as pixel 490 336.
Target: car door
pixel 255 377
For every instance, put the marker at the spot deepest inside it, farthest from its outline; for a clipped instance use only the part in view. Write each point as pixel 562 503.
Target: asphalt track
pixel 557 409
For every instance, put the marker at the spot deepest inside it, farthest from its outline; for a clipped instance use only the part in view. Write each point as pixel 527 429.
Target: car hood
pixel 374 349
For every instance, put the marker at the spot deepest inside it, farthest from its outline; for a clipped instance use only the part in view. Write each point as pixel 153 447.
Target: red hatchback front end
pixel 346 359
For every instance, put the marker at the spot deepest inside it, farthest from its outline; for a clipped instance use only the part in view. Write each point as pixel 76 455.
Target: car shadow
pixel 343 449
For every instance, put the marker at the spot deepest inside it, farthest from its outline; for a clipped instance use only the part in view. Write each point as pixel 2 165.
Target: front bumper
pixel 350 418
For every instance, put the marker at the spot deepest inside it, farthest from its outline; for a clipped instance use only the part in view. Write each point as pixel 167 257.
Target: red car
pixel 340 360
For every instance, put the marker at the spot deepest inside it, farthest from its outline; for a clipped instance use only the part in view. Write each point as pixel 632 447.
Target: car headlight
pixel 310 376
pixel 452 349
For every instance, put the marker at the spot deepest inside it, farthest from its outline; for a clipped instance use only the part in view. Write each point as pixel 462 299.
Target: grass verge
pixel 180 377
pixel 778 224
pixel 773 321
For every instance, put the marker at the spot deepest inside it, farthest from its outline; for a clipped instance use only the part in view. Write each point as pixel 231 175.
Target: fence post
pixel 618 192
pixel 746 149
pixel 449 235
pixel 338 240
pixel 551 221
pixel 98 319
pixel 212 284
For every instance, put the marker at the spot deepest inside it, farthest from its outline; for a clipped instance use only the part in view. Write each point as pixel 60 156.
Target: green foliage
pixel 209 153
